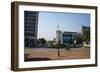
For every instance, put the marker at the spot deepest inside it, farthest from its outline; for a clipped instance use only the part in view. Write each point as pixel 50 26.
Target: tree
pixel 79 40
pixel 42 41
pixel 86 36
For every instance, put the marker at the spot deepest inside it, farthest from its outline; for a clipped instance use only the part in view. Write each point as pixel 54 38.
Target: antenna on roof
pixel 81 25
pixel 58 27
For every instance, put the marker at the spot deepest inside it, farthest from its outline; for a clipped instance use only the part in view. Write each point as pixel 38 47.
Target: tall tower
pixel 81 30
pixel 30 28
pixel 58 36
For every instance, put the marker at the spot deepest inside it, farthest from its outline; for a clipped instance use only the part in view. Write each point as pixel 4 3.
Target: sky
pixel 49 21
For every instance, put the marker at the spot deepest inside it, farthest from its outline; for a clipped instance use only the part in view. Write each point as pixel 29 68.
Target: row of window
pixel 29 34
pixel 68 38
pixel 30 12
pixel 29 26
pixel 67 35
pixel 29 23
pixel 30 19
pixel 29 29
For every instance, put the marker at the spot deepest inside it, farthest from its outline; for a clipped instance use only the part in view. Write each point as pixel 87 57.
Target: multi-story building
pixel 30 29
pixel 69 37
pixel 66 37
pixel 58 37
pixel 73 37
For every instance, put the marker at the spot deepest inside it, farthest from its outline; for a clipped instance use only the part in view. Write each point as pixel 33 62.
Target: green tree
pixel 86 36
pixel 42 41
pixel 79 40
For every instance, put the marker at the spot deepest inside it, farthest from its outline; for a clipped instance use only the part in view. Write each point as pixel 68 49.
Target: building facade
pixel 58 37
pixel 74 37
pixel 66 37
pixel 69 37
pixel 30 29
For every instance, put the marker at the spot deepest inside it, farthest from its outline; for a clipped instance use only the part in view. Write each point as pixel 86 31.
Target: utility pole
pixel 58 27
pixel 58 41
pixel 59 48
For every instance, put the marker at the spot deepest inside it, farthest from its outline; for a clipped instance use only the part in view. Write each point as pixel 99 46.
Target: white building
pixel 58 37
